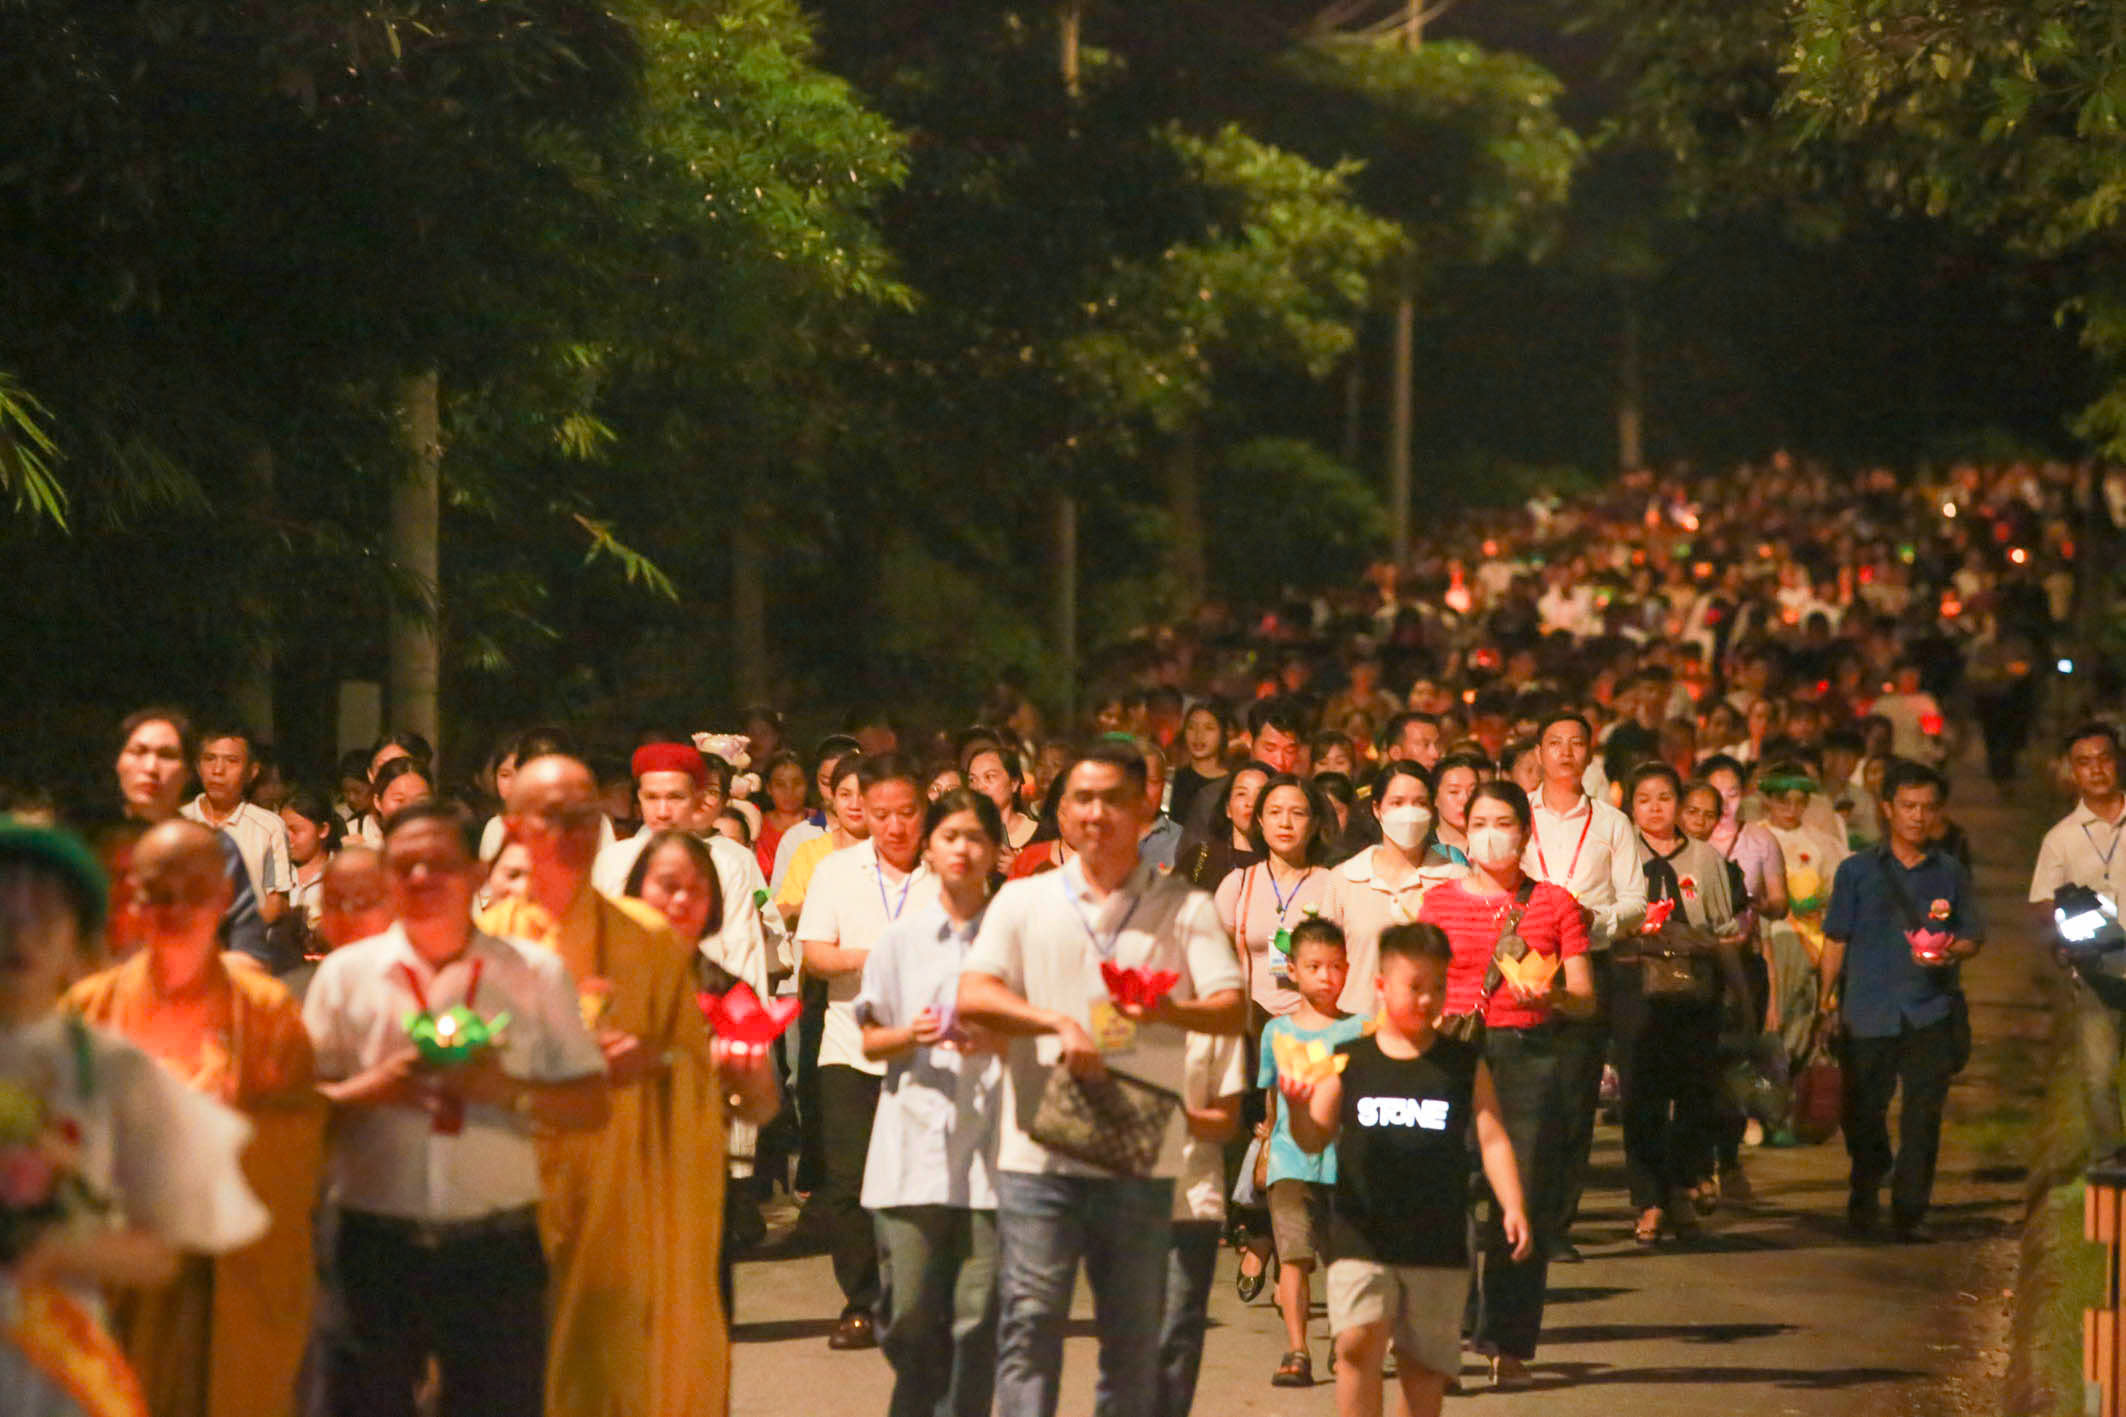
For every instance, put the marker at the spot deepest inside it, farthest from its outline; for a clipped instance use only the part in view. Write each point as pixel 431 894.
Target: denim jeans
pixel 940 1308
pixel 1507 1309
pixel 1191 1261
pixel 1045 1226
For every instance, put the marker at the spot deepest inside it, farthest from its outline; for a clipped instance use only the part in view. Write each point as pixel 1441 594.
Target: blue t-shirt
pixel 1287 1161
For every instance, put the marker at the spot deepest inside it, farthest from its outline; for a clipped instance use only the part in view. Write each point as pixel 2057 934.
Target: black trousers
pixel 477 1305
pixel 1922 1061
pixel 848 1101
pixel 1583 1048
pixel 1666 1071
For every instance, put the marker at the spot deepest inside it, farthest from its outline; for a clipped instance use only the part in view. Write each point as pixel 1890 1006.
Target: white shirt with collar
pixel 2082 849
pixel 1593 852
pixel 391 1160
pixel 1365 905
pixel 1045 937
pixel 738 943
pixel 852 899
pixel 261 838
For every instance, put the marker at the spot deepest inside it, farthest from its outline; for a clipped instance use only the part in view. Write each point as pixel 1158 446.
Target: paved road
pixel 1776 1312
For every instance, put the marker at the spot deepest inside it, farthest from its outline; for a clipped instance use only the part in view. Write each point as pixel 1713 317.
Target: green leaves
pixel 27 453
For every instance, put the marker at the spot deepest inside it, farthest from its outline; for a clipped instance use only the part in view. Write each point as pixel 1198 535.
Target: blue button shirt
pixel 1886 991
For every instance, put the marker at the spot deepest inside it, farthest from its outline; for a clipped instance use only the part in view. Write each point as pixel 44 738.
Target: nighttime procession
pixel 1314 708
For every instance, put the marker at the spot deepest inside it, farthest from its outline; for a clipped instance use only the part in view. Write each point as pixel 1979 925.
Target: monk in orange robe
pixel 226 1338
pixel 632 1215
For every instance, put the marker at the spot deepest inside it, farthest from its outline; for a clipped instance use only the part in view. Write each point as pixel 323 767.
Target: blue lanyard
pixel 2118 830
pixel 893 911
pixel 1284 902
pixel 1106 948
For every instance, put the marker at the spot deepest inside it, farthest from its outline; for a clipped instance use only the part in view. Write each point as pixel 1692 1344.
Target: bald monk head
pixel 353 900
pixel 180 889
pixel 553 810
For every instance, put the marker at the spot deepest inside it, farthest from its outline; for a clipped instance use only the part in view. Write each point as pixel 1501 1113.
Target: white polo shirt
pixel 261 838
pixel 1593 852
pixel 738 943
pixel 852 899
pixel 2081 849
pixel 391 1160
pixel 1045 937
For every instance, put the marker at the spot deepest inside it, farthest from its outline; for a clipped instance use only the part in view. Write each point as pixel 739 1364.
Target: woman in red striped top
pixel 1521 1047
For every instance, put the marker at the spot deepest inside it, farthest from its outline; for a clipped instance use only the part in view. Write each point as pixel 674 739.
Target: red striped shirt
pixel 1552 925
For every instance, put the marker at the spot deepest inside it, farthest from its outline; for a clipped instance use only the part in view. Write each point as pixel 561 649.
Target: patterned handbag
pixel 1117 1123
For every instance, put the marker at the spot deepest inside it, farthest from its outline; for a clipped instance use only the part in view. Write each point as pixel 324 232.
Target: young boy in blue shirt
pixel 1298 1183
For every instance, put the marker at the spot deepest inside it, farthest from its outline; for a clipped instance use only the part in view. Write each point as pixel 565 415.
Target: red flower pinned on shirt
pixel 739 1016
pixel 1940 910
pixel 1930 724
pixel 1657 915
pixel 1689 885
pixel 1139 987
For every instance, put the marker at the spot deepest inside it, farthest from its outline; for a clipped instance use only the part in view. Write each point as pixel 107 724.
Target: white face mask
pixel 1492 846
pixel 1406 826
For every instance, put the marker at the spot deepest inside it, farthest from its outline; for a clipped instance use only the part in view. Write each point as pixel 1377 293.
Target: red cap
pixel 670 757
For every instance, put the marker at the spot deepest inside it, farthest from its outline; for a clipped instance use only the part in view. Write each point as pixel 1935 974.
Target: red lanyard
pixel 420 995
pixel 1544 861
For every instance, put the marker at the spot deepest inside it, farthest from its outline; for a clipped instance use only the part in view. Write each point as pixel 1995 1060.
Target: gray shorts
pixel 1420 1304
pixel 1299 1217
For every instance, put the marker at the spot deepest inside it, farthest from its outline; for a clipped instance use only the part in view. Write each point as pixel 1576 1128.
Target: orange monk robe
pixel 632 1214
pixel 226 1339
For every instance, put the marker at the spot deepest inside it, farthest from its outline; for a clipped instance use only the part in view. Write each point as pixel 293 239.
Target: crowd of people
pixel 1327 936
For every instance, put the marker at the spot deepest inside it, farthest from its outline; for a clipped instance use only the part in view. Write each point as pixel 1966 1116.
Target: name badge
pixel 1112 1032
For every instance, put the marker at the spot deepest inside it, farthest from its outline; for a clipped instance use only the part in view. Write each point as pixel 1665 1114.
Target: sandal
pixel 1648 1231
pixel 1296 1369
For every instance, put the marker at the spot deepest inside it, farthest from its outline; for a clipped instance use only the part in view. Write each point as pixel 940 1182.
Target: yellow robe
pixel 632 1214
pixel 226 1339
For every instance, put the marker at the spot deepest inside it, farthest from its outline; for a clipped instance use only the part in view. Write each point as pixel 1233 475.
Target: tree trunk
pixel 1355 402
pixel 1070 18
pixel 416 504
pixel 1402 418
pixel 251 687
pixel 1190 562
pixel 1631 393
pixel 1065 629
pixel 749 611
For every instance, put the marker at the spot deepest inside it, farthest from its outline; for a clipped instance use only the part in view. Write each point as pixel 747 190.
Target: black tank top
pixel 1402 1155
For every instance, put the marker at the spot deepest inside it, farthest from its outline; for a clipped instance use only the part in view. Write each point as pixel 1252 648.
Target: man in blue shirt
pixel 1902 1014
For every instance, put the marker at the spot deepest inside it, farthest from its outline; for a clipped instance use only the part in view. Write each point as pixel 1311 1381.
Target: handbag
pixel 1469 1027
pixel 1959 1006
pixel 1676 961
pixel 1117 1122
pixel 1819 1095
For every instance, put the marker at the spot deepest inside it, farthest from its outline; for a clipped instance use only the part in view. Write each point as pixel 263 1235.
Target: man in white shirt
pixel 2082 849
pixel 1591 849
pixel 669 781
pixel 226 767
pixel 1034 975
pixel 854 895
pixel 431 1173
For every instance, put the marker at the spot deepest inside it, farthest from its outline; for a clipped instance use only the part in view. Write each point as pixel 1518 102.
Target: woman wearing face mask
pixel 1231 843
pixel 1384 884
pixel 1665 1042
pixel 1459 773
pixel 1520 1041
pixel 1260 904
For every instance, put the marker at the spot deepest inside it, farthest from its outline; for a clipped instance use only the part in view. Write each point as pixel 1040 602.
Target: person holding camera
pixel 2082 849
